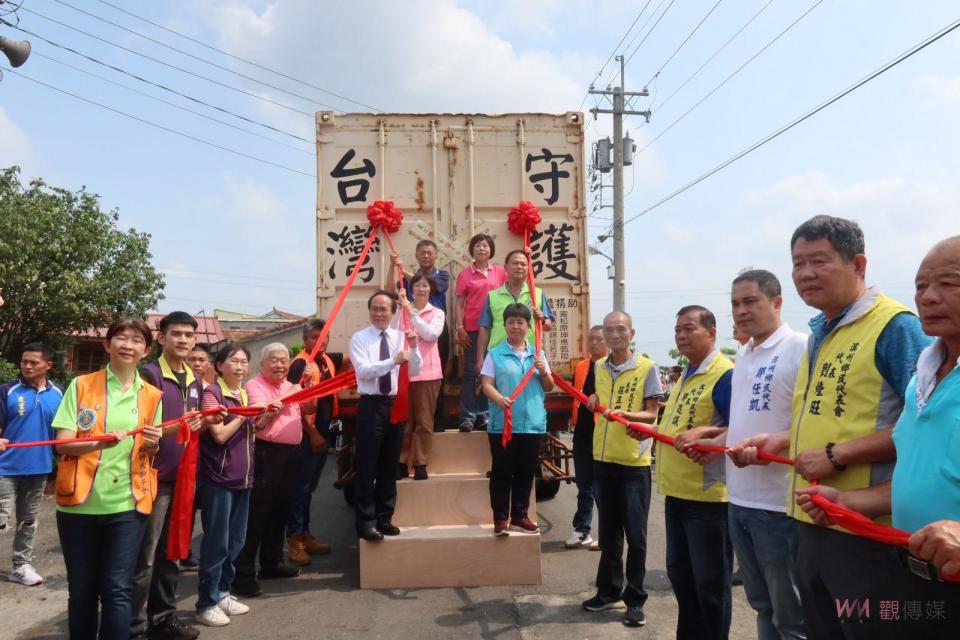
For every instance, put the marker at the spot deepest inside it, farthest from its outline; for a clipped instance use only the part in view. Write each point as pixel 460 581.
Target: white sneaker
pixel 577 540
pixel 232 607
pixel 594 546
pixel 213 617
pixel 25 575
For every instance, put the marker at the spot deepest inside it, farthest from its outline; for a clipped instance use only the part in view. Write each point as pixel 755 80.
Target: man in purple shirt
pixel 155 587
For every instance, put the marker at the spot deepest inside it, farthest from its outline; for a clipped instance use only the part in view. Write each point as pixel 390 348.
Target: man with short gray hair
pixel 278 436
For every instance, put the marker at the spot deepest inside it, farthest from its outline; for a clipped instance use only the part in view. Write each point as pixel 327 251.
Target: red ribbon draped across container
pixel 401 404
pixel 523 220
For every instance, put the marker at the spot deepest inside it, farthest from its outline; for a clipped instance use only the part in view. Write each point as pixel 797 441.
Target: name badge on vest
pixel 193 392
pixel 85 419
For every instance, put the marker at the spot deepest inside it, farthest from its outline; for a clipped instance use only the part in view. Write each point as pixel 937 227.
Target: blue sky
pixel 229 232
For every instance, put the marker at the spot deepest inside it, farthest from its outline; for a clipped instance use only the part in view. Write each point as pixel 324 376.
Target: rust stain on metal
pixel 576 186
pixel 419 200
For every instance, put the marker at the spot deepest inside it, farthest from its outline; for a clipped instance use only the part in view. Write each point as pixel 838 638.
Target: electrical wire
pixel 716 53
pixel 161 86
pixel 731 76
pixel 652 29
pixel 638 33
pixel 191 55
pixel 685 41
pixel 238 58
pixel 612 53
pixel 167 64
pixel 167 102
pixel 159 126
pixel 787 127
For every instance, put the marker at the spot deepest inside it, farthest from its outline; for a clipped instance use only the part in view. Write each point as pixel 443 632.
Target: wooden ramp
pixel 446 526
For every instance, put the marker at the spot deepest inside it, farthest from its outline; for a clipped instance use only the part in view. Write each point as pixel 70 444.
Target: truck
pixel 453 176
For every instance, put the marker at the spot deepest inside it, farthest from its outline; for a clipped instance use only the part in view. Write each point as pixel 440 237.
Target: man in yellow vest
pixel 849 394
pixel 923 495
pixel 581 423
pixel 627 384
pixel 699 551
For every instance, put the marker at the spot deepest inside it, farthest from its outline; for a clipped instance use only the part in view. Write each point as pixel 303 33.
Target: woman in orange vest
pixel 105 489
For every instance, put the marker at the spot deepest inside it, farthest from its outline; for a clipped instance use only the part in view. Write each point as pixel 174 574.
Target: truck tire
pixel 547 488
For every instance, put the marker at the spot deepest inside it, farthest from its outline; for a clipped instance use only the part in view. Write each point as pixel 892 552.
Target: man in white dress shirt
pixel 377 353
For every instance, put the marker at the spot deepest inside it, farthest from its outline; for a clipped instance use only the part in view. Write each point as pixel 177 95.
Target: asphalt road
pixel 325 601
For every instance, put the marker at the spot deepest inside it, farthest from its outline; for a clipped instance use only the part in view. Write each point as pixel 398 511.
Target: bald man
pixel 628 384
pixel 927 441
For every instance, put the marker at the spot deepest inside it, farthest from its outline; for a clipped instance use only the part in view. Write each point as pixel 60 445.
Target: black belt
pixel 920 568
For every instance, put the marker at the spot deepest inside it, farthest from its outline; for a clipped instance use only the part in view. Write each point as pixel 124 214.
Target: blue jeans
pixel 309 467
pixel 623 503
pixel 583 468
pixel 699 565
pixel 20 496
pixel 473 405
pixel 766 546
pixel 224 519
pixel 100 554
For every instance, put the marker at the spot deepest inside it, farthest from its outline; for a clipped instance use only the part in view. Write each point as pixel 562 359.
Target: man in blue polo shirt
pixel 27 407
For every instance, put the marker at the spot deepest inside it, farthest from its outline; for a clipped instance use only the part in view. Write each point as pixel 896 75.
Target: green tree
pixel 65 266
pixel 679 357
pixel 728 351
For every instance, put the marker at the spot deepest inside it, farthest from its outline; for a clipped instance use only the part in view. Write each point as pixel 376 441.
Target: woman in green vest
pixel 492 330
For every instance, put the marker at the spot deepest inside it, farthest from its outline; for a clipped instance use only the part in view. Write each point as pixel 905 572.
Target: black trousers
pixel 378 453
pixel 699 565
pixel 274 480
pixel 623 504
pixel 851 587
pixel 511 479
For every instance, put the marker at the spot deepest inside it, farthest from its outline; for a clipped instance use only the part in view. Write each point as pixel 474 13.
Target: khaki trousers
pixel 418 436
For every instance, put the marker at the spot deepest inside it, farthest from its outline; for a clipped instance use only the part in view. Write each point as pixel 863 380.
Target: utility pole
pixel 619 99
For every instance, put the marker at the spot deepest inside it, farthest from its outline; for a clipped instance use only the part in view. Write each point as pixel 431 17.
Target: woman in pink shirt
pixel 473 285
pixel 428 323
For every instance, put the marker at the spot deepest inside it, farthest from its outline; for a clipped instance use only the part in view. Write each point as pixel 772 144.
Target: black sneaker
pixel 420 472
pixel 189 564
pixel 466 427
pixel 172 629
pixel 278 572
pixel 246 589
pixel 599 603
pixel 634 617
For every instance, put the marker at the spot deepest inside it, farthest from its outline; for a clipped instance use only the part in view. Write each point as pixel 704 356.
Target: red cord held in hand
pixel 523 220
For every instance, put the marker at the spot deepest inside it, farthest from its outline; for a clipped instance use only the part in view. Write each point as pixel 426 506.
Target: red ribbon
pixel 401 405
pixel 852 521
pixel 523 219
pixel 180 529
pixel 863 526
pixel 343 295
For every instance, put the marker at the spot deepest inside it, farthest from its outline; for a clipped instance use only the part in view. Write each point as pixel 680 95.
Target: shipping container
pixel 454 175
